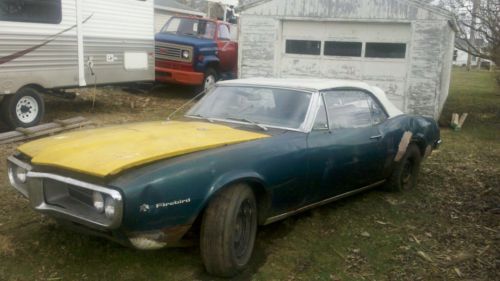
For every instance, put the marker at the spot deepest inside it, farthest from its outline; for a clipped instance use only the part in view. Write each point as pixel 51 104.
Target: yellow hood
pixel 108 151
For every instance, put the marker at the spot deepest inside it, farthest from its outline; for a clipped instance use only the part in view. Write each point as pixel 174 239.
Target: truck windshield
pixel 190 27
pixel 269 107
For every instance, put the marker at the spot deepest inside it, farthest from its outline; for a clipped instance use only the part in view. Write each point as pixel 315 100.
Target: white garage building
pixel 403 46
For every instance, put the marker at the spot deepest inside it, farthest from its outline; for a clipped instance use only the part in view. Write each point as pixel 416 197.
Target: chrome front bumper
pixel 63 197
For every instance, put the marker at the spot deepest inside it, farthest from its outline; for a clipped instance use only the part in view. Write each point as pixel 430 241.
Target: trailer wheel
pixel 23 109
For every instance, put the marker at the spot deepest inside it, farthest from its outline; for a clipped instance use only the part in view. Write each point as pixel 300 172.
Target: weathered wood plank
pixel 70 121
pixel 39 128
pixel 10 135
pixel 45 129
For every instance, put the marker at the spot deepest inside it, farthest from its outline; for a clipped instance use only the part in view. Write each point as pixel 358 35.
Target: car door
pixel 228 52
pixel 346 148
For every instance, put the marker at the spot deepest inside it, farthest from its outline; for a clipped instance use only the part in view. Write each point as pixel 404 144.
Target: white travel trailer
pixel 49 45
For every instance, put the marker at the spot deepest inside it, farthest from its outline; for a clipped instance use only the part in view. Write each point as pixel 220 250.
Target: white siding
pixel 57 59
pixel 113 27
pixel 129 19
pixel 116 27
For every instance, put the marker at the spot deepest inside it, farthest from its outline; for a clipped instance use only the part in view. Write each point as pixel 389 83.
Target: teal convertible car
pixel 249 153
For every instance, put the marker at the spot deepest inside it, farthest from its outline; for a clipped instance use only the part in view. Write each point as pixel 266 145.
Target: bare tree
pixel 478 23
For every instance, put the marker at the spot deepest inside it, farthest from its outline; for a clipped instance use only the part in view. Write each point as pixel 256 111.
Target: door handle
pixel 377 137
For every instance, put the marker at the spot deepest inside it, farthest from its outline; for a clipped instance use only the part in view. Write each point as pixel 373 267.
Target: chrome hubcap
pixel 27 109
pixel 209 82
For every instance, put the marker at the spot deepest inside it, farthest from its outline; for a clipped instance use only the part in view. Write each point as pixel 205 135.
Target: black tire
pixel 405 174
pixel 23 109
pixel 228 231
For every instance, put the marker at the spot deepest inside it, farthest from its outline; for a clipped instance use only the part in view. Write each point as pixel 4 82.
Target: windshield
pixel 190 27
pixel 265 106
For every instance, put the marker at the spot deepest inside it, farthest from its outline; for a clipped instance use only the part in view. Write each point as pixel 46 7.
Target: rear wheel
pixel 23 109
pixel 405 174
pixel 228 231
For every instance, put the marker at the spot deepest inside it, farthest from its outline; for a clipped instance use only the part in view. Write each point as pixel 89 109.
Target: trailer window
pixel 35 11
pixel 303 47
pixel 385 50
pixel 343 49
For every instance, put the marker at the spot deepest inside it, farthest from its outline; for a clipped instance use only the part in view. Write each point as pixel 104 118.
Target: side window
pixel 224 33
pixel 320 123
pixel 352 109
pixel 303 47
pixel 378 114
pixel 35 11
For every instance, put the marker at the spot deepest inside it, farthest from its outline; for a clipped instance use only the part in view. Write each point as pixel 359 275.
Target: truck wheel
pixel 405 174
pixel 211 78
pixel 228 231
pixel 23 109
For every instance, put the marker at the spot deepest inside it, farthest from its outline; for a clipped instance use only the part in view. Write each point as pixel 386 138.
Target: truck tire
pixel 405 174
pixel 211 78
pixel 23 109
pixel 228 231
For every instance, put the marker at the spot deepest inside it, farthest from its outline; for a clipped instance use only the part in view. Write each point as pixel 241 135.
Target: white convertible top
pixel 317 85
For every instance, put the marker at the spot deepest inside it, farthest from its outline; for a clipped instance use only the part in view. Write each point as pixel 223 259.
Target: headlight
pixel 185 54
pixel 109 207
pixel 20 174
pixel 98 201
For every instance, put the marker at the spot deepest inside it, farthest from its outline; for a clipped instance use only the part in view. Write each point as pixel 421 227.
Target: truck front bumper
pixel 176 76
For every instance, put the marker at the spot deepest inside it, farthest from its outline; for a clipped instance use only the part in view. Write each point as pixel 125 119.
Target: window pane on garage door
pixel 343 49
pixel 385 50
pixel 303 47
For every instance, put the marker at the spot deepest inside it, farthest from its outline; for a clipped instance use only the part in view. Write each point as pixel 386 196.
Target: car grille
pixel 173 52
pixel 67 196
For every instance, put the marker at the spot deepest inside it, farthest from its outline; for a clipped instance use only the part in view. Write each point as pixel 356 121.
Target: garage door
pixel 373 52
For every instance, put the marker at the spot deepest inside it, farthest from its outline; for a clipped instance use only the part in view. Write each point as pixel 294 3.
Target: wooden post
pixel 462 120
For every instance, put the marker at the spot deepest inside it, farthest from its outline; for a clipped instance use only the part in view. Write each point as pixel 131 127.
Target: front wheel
pixel 228 231
pixel 406 172
pixel 23 109
pixel 211 78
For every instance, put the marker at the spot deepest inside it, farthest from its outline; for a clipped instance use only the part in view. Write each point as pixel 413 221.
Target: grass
pixel 443 230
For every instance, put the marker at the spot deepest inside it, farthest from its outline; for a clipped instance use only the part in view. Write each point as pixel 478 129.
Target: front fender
pixel 208 60
pixel 230 178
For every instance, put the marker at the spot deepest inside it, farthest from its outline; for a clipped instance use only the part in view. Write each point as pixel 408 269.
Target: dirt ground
pixel 446 229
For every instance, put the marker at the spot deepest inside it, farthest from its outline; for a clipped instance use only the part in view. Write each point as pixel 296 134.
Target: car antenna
pixel 184 105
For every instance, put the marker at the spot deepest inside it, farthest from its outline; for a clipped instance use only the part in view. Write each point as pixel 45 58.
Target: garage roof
pixel 417 3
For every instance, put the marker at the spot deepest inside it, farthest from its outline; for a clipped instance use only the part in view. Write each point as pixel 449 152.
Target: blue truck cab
pixel 195 51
